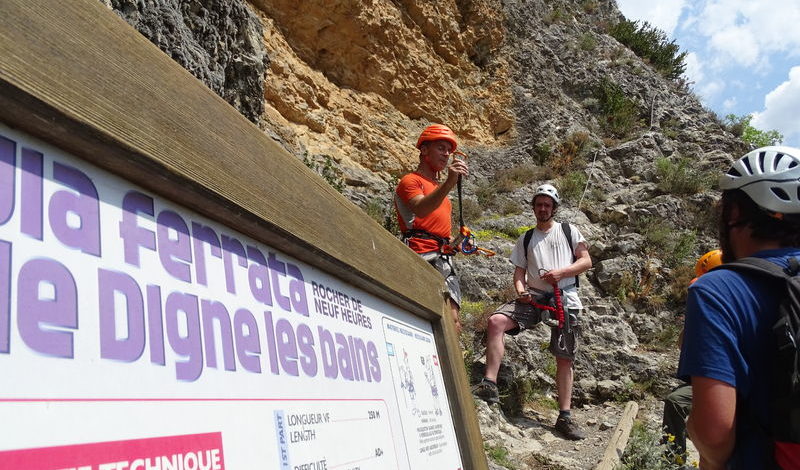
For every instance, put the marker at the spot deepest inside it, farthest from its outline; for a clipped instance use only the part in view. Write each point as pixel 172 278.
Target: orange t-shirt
pixel 437 222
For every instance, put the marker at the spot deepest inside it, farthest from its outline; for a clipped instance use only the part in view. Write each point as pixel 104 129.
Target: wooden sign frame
pixel 76 76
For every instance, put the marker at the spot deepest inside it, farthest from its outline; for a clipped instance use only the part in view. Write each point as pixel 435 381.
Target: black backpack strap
pixel 760 266
pixel 526 241
pixel 568 233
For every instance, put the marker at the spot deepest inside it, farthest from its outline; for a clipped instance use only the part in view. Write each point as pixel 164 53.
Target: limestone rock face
pixel 218 41
pixel 357 81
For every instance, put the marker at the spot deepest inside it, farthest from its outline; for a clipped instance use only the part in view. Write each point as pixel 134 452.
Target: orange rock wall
pixel 358 80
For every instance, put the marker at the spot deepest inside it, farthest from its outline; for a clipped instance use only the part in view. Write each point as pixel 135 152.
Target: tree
pixel 740 127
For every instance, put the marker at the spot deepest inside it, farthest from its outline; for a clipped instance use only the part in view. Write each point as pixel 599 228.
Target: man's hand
pixel 524 297
pixel 457 168
pixel 552 276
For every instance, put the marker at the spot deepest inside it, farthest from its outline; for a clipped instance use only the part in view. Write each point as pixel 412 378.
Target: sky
pixel 743 55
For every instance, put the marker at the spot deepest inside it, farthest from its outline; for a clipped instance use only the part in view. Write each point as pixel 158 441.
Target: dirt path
pixel 533 444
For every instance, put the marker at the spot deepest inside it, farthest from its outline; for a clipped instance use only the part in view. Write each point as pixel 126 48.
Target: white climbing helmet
pixel 548 190
pixel 770 176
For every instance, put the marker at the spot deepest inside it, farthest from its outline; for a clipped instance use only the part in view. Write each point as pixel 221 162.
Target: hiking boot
pixel 487 391
pixel 569 429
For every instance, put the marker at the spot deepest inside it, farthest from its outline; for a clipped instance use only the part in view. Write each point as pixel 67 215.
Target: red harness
pixel 558 309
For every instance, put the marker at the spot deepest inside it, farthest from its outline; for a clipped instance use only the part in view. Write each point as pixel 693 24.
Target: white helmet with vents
pixel 548 190
pixel 770 176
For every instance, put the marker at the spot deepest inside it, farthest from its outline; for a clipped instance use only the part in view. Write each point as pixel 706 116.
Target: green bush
pixel 499 455
pixel 679 281
pixel 555 16
pixel 681 248
pixel 589 6
pixel 571 185
pixel 646 452
pixel 652 45
pixel 509 179
pixel 514 232
pixel 376 209
pixel 679 177
pixel 740 127
pixel 662 241
pixel 587 42
pixel 620 112
pixel 569 154
pixel 327 170
pixel 383 211
pixel 541 153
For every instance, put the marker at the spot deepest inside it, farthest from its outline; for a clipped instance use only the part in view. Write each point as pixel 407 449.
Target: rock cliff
pixel 538 91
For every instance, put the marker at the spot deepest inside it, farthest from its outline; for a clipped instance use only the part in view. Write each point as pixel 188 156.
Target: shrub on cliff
pixel 652 45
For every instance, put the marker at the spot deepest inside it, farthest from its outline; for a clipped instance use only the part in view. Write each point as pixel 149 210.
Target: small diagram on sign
pixel 430 377
pixel 407 384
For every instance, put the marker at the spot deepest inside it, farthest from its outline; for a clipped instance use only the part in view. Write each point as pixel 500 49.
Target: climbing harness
pixel 465 241
pixel 557 318
pixel 553 316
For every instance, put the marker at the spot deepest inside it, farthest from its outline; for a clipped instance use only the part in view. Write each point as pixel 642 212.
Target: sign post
pixel 177 291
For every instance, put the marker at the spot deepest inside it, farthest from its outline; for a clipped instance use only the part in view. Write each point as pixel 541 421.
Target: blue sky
pixel 743 55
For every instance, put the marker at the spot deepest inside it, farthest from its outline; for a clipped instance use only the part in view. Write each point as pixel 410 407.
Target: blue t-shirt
pixel 728 337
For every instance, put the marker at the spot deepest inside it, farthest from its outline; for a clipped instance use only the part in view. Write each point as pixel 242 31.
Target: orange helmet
pixel 437 132
pixel 710 260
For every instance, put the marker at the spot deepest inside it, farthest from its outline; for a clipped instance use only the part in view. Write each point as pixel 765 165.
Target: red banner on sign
pixel 186 452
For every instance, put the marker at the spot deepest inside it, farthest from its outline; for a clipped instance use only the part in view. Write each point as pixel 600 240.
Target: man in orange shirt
pixel 423 208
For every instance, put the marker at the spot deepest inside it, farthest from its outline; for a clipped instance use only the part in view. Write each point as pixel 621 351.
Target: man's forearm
pixel 715 450
pixel 430 202
pixel 519 281
pixel 579 266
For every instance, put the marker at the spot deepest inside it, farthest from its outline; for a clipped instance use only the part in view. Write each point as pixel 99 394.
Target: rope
pixel 467 244
pixel 653 111
pixel 588 179
pixel 460 204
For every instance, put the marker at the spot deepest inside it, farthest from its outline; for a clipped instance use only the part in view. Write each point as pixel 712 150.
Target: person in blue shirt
pixel 727 345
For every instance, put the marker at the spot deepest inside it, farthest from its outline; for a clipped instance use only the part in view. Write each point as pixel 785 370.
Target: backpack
pixel 526 241
pixel 785 379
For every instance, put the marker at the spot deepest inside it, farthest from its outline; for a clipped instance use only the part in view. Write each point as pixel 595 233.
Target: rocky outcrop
pixel 218 41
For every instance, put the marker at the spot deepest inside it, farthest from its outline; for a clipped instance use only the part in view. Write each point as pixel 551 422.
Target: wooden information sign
pixel 178 292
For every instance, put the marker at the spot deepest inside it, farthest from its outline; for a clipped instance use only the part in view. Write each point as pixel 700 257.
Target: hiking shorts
pixel 444 264
pixel 562 344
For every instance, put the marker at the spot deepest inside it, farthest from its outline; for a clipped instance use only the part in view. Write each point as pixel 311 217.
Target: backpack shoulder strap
pixel 526 241
pixel 568 233
pixel 759 266
pixel 565 227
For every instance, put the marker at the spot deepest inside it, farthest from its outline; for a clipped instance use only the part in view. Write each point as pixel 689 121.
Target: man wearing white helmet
pixel 729 350
pixel 546 255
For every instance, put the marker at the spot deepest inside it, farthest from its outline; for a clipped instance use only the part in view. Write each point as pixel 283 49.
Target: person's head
pixel 761 194
pixel 545 202
pixel 435 144
pixel 706 263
